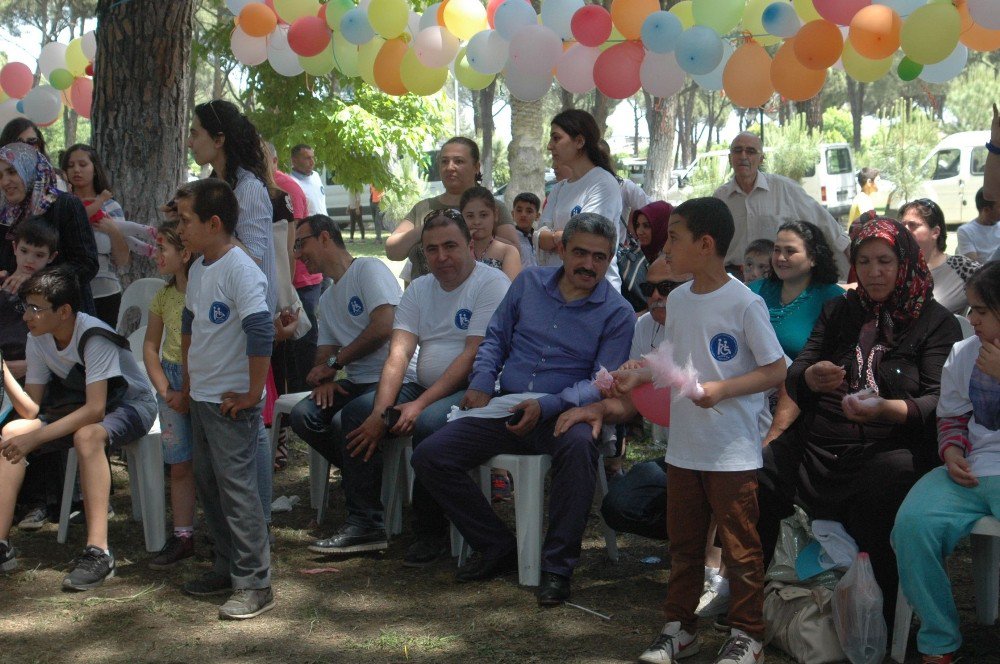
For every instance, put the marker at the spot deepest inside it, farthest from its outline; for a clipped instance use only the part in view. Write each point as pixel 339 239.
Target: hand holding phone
pixel 391 416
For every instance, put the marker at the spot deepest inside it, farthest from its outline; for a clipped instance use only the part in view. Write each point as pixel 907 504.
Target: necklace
pixel 485 251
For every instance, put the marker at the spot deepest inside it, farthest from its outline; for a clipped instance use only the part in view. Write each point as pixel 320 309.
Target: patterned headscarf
pixel 658 213
pixel 914 283
pixel 40 183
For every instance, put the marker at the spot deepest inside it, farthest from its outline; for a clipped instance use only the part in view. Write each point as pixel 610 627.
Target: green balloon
pixel 320 64
pixel 908 69
pixel 61 79
pixel 335 10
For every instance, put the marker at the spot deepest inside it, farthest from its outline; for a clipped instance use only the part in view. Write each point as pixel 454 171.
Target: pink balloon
pixel 575 69
pixel 591 25
pixel 839 11
pixel 616 71
pixel 16 79
pixel 308 36
pixel 653 403
pixel 82 96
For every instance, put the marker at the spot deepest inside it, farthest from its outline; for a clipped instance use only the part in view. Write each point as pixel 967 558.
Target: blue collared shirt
pixel 542 343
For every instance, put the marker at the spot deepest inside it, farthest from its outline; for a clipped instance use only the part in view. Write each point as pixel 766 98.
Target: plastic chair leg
pixel 610 536
pixel 901 628
pixel 319 483
pixel 145 458
pixel 394 483
pixel 135 490
pixel 529 506
pixel 69 483
pixel 986 572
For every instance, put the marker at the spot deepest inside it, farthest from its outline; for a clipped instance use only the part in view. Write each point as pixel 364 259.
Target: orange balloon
pixel 387 64
pixel 747 76
pixel 974 35
pixel 440 13
pixel 790 79
pixel 818 44
pixel 875 31
pixel 258 20
pixel 628 15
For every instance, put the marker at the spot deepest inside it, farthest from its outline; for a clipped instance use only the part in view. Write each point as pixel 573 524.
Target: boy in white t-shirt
pixel 227 334
pixel 88 392
pixel 715 441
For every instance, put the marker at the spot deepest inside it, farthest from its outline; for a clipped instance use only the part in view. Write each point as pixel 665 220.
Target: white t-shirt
pixel 344 309
pixel 985 455
pixel 220 296
pixel 442 319
pixel 975 238
pixel 312 187
pixel 598 191
pixel 646 338
pixel 103 360
pixel 727 333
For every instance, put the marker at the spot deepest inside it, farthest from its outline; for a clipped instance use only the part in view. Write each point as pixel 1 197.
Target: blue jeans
pixel 637 502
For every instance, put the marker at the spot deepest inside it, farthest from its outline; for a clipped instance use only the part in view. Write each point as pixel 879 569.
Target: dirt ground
pixel 368 609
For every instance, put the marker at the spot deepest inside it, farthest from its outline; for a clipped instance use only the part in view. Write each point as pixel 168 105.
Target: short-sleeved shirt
pixel 442 319
pixel 168 303
pixel 965 388
pixel 793 322
pixel 103 360
pixel 949 282
pixel 977 238
pixel 219 296
pixel 344 309
pixel 647 337
pixel 725 334
pixel 312 187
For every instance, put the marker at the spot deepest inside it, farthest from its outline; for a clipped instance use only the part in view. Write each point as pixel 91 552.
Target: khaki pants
pixel 693 497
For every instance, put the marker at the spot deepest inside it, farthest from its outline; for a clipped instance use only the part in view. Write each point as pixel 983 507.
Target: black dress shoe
pixel 554 589
pixel 482 569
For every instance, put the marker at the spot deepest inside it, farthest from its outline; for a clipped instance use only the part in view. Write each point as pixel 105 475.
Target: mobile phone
pixel 391 416
pixel 515 418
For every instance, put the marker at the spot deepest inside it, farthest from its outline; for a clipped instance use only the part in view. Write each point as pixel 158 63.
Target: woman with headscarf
pixel 867 385
pixel 28 188
pixel 648 225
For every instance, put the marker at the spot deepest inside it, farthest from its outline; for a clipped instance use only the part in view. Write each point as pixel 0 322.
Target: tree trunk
pixel 485 105
pixel 566 99
pixel 70 123
pixel 140 111
pixel 661 114
pixel 524 154
pixel 856 98
pixel 601 110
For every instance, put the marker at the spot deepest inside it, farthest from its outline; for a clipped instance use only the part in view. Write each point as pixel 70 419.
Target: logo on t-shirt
pixel 355 306
pixel 576 210
pixel 462 319
pixel 218 313
pixel 723 347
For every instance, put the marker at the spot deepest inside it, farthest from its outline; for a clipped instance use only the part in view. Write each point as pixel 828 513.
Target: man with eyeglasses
pixel 354 317
pixel 761 202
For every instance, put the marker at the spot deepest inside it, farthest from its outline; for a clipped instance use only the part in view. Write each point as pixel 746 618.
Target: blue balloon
pixel 355 28
pixel 660 31
pixel 780 19
pixel 19 106
pixel 698 50
pixel 713 79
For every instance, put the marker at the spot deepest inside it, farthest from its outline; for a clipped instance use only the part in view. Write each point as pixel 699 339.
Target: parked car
pixel 954 173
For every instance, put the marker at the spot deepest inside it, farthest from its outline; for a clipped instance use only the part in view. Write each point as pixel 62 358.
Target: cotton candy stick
pixel 667 374
pixel 604 381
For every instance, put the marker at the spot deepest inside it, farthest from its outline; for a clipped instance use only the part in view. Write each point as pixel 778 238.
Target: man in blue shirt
pixel 551 333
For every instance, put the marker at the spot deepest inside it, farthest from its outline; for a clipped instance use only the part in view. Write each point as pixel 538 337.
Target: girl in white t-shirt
pixel 946 503
pixel 481 215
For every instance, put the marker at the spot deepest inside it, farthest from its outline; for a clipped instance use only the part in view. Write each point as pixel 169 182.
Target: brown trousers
pixel 693 497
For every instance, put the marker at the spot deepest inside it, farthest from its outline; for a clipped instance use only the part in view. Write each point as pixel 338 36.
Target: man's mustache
pixel 584 271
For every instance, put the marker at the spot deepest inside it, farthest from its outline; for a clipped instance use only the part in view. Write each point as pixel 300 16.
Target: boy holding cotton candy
pixel 722 330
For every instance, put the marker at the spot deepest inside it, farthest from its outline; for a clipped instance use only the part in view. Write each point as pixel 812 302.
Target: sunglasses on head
pixel 451 213
pixel 661 287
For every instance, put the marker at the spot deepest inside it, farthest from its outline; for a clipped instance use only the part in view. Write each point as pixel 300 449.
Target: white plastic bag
pixel 857 614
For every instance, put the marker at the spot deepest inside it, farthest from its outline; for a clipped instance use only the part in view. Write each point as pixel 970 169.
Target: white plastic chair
pixel 138 295
pixel 528 471
pixel 985 578
pixel 282 407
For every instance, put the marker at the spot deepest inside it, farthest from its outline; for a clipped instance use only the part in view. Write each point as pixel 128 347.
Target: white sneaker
pixel 672 644
pixel 34 520
pixel 713 602
pixel 739 648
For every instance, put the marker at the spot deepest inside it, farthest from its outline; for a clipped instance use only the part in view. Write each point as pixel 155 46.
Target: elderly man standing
pixel 555 328
pixel 761 202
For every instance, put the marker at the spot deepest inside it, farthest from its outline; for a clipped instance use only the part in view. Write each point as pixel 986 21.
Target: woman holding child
pixel 853 460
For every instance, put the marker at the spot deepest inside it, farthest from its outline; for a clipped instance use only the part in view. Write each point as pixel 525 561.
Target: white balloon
pixel 534 50
pixel 43 104
pixel 487 52
pixel 251 51
pixel 947 69
pixel 235 6
pixel 986 13
pixel 435 47
pixel 281 56
pixel 53 57
pixel 713 79
pixel 413 23
pixel 511 16
pixel 527 87
pixel 660 74
pixel 89 45
pixel 8 111
pixel 430 17
pixel 558 14
pixel 575 69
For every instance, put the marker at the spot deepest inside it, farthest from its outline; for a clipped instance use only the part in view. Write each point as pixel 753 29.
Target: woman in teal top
pixel 803 277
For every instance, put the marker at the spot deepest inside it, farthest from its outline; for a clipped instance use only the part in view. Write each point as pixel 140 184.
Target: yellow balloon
pixel 320 64
pixel 805 9
pixel 720 15
pixel 684 10
pixel 930 33
pixel 366 60
pixel 464 18
pixel 388 17
pixel 76 61
pixel 345 56
pixel 418 79
pixel 862 69
pixel 753 22
pixel 469 77
pixel 289 10
pixel 3 96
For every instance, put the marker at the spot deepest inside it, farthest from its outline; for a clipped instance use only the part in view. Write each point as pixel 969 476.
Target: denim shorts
pixel 175 428
pixel 123 424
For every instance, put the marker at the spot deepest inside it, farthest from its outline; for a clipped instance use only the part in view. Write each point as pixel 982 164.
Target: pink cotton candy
pixel 667 374
pixel 855 398
pixel 604 381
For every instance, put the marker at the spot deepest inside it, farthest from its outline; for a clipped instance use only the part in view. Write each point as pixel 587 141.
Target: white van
pixel 953 173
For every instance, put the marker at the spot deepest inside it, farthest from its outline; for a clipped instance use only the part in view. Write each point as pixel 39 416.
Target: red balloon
pixel 653 403
pixel 616 71
pixel 89 71
pixel 839 11
pixel 16 79
pixel 308 36
pixel 591 25
pixel 82 96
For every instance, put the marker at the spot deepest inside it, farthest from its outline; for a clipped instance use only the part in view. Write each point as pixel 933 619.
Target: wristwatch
pixel 332 363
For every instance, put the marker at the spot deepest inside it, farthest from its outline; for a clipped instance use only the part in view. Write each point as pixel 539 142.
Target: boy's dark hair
pixel 981 202
pixel 529 198
pixel 985 282
pixel 708 216
pixel 445 217
pixel 38 232
pixel 58 285
pixel 320 222
pixel 867 173
pixel 824 270
pixel 212 196
pixel 760 246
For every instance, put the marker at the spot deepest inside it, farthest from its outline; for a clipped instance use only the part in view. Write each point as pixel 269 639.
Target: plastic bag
pixel 794 535
pixel 857 614
pixel 800 622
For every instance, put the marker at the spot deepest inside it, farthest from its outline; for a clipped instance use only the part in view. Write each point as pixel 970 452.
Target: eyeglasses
pixel 750 152
pixel 33 311
pixel 661 287
pixel 299 240
pixel 451 213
